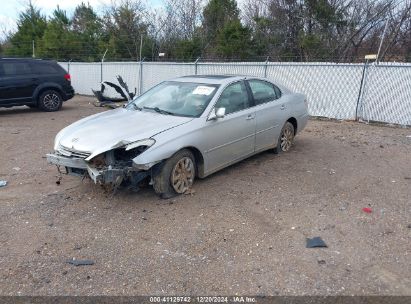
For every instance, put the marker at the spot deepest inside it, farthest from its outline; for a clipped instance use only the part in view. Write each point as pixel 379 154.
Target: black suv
pixel 35 83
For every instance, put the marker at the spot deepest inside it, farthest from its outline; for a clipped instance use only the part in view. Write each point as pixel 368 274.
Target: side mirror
pixel 217 113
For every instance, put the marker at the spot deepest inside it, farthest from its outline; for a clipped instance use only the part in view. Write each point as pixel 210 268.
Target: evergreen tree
pixel 31 25
pixel 234 41
pixel 57 41
pixel 125 28
pixel 88 34
pixel 216 14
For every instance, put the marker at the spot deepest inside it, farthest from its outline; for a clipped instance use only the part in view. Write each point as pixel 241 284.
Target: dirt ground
pixel 243 231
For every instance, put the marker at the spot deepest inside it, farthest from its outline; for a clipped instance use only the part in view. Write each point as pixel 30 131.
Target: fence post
pixel 195 65
pixel 361 92
pixel 140 86
pixel 101 71
pixel 101 65
pixel 265 67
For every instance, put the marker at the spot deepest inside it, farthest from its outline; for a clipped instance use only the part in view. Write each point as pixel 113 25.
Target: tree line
pixel 278 30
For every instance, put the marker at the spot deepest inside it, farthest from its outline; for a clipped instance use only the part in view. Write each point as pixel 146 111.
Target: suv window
pixel 44 68
pixel 234 98
pixel 15 68
pixel 263 91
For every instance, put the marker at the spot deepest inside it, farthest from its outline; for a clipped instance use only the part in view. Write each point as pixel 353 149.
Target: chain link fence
pixel 343 91
pixel 387 94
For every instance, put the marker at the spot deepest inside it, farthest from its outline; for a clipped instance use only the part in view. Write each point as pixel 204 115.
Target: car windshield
pixel 176 98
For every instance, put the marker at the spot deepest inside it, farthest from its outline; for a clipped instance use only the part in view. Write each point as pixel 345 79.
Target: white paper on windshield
pixel 203 90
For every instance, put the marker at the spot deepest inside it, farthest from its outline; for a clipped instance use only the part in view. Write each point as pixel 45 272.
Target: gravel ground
pixel 243 230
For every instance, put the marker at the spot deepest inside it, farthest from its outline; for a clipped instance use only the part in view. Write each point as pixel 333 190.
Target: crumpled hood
pixel 101 132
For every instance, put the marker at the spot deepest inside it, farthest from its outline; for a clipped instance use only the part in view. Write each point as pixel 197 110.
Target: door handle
pixel 282 107
pixel 249 117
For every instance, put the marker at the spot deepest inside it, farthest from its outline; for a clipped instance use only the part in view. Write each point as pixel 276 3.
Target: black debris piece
pixel 80 262
pixel 315 242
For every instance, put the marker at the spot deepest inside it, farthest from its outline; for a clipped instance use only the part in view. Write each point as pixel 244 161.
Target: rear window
pixel 263 91
pixel 45 68
pixel 14 68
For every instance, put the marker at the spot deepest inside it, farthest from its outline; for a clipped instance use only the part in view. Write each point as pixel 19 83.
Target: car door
pixel 230 138
pixel 269 111
pixel 16 82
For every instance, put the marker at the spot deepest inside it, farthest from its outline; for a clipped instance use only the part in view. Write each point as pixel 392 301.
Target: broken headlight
pixel 127 153
pixel 144 142
pixel 123 156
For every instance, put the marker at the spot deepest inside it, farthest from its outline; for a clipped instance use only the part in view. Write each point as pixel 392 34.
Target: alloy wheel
pixel 51 101
pixel 182 176
pixel 287 138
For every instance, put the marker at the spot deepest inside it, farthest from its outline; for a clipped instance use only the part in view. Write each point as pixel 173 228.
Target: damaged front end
pixel 113 167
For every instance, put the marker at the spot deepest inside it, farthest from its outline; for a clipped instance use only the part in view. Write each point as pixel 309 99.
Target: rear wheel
pixel 50 101
pixel 286 139
pixel 176 176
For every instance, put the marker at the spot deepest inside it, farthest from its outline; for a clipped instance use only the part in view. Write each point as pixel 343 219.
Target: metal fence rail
pixel 343 91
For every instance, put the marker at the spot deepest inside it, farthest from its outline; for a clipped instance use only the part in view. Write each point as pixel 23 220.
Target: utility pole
pixel 32 44
pixel 382 39
pixel 141 44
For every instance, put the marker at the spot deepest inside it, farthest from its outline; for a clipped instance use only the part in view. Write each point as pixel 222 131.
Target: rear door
pixel 230 138
pixel 269 111
pixel 17 82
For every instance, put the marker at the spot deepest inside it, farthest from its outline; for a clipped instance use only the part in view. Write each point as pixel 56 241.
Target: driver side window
pixel 234 98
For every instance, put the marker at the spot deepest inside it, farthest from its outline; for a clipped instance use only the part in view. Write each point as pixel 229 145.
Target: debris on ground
pixel 190 192
pixel 80 262
pixel 367 210
pixel 16 168
pixel 3 183
pixel 315 242
pixel 321 262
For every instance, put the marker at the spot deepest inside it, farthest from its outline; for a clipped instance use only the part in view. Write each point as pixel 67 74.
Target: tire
pixel 286 139
pixel 50 101
pixel 181 167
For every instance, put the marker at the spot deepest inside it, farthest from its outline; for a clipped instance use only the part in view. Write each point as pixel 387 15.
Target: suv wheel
pixel 176 176
pixel 50 101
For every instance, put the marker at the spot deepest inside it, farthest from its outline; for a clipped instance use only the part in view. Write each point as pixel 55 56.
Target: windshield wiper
pixel 158 110
pixel 136 107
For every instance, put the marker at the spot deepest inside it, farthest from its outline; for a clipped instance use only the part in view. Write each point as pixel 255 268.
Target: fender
pixel 165 147
pixel 48 85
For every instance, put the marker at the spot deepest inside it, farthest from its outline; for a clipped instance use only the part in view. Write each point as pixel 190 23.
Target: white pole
pixel 141 44
pixel 382 39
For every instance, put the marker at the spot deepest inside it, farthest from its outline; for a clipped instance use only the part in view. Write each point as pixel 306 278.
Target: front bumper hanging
pixel 79 167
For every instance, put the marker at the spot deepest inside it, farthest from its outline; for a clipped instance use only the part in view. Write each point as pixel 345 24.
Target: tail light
pixel 67 77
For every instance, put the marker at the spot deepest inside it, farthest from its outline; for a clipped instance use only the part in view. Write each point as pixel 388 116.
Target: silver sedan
pixel 181 129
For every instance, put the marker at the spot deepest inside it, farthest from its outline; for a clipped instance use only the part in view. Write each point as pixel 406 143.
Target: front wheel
pixel 50 101
pixel 176 175
pixel 286 138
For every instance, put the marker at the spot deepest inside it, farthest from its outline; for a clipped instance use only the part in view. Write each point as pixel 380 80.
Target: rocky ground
pixel 242 231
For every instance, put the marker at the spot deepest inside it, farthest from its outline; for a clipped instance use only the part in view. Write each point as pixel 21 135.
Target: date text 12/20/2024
pixel 203 299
